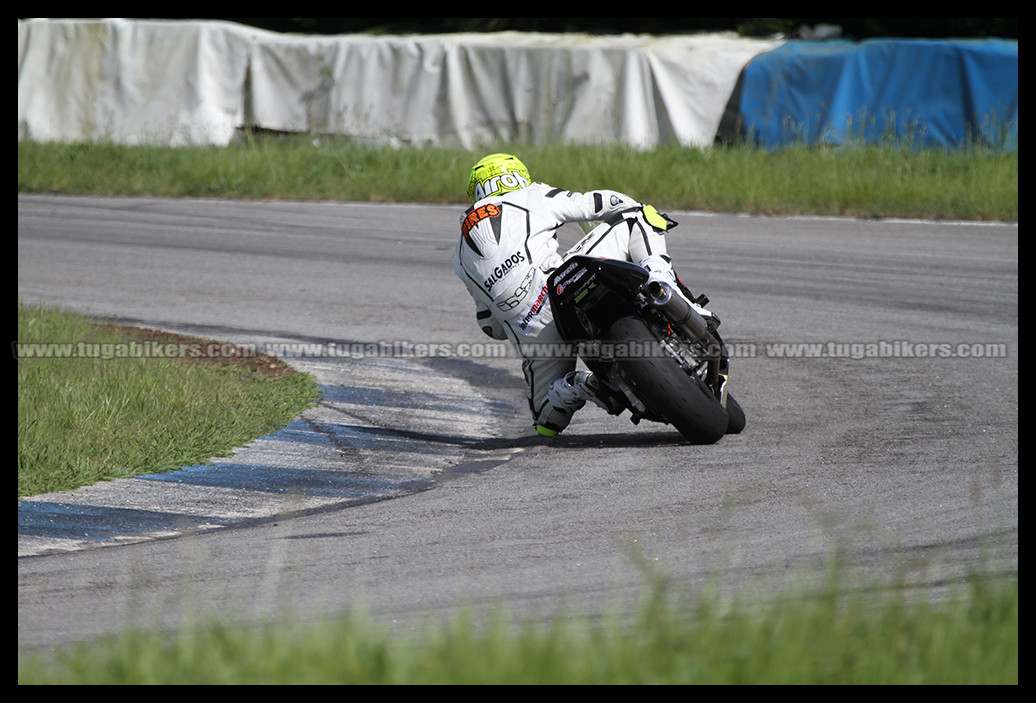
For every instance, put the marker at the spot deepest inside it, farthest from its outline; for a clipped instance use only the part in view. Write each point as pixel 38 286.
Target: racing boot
pixel 660 269
pixel 572 390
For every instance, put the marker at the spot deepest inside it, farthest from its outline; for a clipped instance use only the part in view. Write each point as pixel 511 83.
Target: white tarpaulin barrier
pixel 197 82
pixel 131 82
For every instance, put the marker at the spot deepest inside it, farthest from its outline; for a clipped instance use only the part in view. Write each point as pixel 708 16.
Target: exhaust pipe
pixel 678 311
pixel 686 319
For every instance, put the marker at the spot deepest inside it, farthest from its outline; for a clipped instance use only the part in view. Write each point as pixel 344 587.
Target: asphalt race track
pixel 877 362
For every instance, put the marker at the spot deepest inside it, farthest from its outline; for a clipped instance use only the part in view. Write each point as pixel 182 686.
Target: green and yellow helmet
pixel 496 174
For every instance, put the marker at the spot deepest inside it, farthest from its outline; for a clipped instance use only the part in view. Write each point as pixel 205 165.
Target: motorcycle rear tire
pixel 736 416
pixel 661 383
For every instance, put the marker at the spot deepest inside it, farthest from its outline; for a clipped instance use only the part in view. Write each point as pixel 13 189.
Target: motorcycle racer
pixel 509 246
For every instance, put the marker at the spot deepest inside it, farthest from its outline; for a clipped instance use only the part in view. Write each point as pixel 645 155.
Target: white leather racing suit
pixel 508 247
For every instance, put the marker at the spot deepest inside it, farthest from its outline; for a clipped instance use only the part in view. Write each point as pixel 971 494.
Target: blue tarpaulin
pixel 923 93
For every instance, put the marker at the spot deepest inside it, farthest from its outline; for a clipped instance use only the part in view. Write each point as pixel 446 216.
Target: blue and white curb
pixel 384 427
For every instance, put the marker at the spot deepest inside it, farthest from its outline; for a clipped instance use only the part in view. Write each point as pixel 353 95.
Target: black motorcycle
pixel 652 352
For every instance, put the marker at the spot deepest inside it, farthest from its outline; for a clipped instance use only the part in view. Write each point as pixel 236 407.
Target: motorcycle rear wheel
pixel 661 383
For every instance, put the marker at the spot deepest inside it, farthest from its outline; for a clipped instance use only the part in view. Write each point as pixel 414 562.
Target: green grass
pixel 830 638
pixel 84 418
pixel 861 182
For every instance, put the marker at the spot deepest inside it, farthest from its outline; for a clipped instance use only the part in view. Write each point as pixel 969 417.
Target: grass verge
pixel 832 638
pixel 102 401
pixel 864 181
